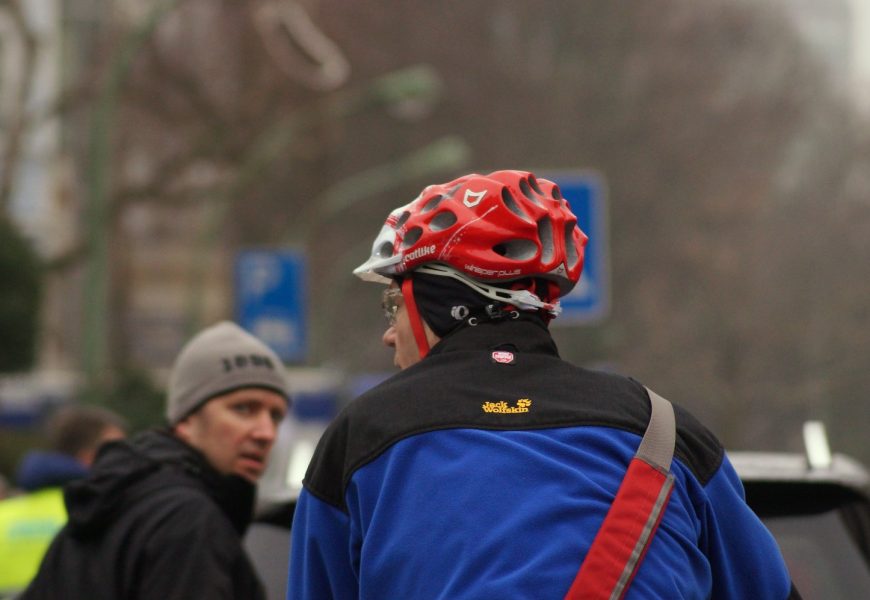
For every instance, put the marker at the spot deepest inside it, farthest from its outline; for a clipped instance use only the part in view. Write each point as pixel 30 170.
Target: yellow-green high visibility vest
pixel 28 523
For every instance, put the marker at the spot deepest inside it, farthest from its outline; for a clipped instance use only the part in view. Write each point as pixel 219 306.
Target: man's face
pixel 110 433
pixel 236 431
pixel 399 334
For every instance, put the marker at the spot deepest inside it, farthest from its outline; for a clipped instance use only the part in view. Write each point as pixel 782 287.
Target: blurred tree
pixel 201 109
pixel 135 396
pixel 710 123
pixel 20 272
pixel 738 206
pixel 19 263
pixel 17 81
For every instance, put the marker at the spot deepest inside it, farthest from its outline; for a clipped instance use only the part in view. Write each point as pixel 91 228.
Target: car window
pixel 268 546
pixel 823 559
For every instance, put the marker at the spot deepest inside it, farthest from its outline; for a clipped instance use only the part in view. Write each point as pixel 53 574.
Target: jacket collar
pixel 126 470
pixel 234 495
pixel 523 335
pixel 41 469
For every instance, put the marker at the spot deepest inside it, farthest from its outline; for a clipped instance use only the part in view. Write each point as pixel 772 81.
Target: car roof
pixel 782 484
pixel 793 466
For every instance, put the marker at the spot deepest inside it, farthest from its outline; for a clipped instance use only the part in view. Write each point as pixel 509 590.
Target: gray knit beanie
pixel 217 361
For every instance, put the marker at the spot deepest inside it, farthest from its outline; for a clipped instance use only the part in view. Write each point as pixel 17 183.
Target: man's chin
pixel 250 472
pixel 249 477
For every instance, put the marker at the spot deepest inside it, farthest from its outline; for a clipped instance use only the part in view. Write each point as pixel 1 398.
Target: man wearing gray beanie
pixel 162 515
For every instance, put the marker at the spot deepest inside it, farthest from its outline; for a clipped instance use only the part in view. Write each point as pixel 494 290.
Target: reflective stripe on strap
pixel 632 520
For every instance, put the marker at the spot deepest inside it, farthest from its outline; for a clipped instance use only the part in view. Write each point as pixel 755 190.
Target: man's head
pixel 400 333
pixel 227 396
pixel 79 430
pixel 479 248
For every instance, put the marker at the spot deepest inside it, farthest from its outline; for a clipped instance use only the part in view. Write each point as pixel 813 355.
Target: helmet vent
pixel 516 249
pixel 534 183
pixel 557 193
pixel 432 203
pixel 570 248
pixel 527 191
pixel 511 203
pixel 545 234
pixel 385 250
pixel 412 237
pixel 442 221
pixel 405 216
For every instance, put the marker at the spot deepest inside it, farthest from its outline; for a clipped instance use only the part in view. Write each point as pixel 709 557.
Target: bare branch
pixel 13 142
pixel 299 48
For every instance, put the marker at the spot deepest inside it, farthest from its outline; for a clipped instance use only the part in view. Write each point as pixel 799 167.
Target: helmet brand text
pixel 419 253
pixel 491 272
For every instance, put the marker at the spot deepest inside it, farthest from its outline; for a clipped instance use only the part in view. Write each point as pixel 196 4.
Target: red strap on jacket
pixel 632 520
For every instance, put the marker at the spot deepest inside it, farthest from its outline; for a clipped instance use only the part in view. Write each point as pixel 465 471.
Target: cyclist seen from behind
pixel 491 468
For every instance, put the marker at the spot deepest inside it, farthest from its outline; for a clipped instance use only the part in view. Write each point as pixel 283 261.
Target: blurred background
pixel 167 164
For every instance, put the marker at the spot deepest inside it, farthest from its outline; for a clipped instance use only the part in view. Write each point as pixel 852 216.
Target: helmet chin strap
pixel 414 317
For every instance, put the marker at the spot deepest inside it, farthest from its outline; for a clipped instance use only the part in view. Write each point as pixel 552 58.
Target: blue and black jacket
pixel 485 471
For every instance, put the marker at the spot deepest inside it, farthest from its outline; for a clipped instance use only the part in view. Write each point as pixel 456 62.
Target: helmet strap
pixel 522 299
pixel 414 317
pixel 546 289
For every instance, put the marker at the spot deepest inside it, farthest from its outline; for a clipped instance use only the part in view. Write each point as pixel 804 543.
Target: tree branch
pixel 14 139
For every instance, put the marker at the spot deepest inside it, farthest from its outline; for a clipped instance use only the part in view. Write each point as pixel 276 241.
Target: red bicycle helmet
pixel 481 229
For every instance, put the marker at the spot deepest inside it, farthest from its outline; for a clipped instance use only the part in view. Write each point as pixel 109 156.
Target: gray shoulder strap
pixel 657 446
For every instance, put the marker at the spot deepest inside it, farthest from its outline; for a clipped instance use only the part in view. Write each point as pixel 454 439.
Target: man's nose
pixel 389 337
pixel 266 429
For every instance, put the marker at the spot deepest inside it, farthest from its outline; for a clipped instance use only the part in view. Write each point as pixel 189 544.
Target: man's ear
pixel 182 429
pixel 110 433
pixel 86 456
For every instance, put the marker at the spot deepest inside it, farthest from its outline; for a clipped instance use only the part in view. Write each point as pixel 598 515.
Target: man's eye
pixel 277 416
pixel 243 409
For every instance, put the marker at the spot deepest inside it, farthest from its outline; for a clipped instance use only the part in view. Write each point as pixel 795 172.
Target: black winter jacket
pixel 153 520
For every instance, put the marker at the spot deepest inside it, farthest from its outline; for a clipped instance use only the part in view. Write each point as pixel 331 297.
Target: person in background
pixel 162 515
pixel 29 521
pixel 488 467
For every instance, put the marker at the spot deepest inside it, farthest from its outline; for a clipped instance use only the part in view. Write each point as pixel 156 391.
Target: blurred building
pixel 861 49
pixel 838 35
pixel 172 271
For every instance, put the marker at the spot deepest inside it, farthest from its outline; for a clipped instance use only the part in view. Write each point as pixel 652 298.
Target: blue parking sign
pixel 589 301
pixel 270 289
